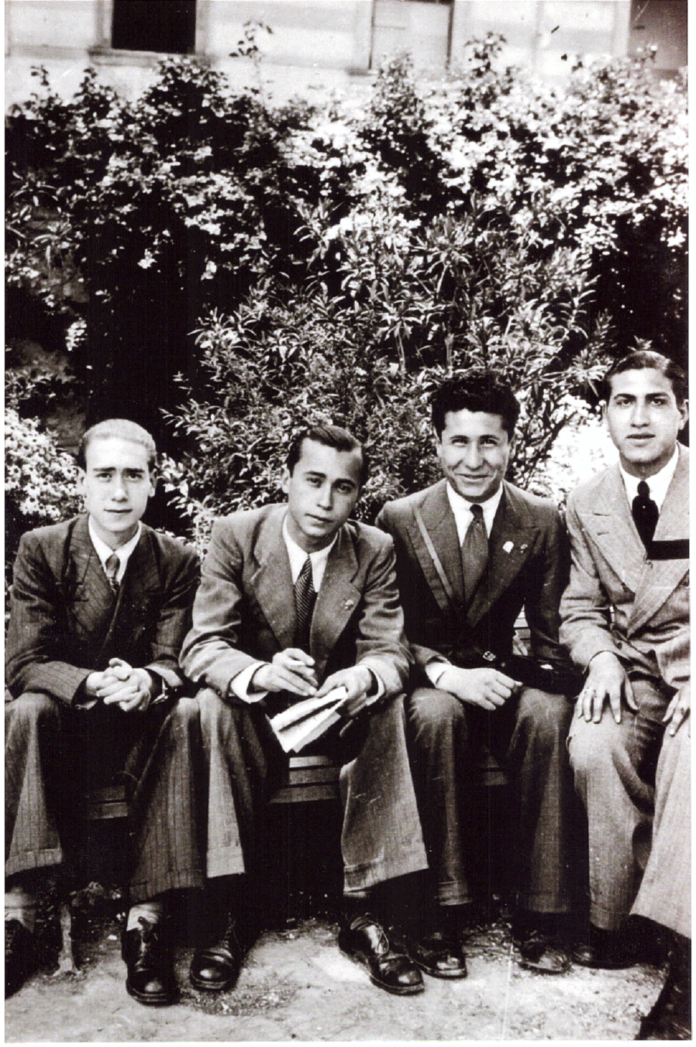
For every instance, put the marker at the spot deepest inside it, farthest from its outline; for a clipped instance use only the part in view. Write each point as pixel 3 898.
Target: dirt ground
pixel 296 985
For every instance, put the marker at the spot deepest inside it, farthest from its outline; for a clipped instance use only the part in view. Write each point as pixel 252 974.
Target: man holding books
pixel 295 602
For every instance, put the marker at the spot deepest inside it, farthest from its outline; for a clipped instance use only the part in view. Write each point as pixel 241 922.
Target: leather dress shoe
pixel 365 941
pixel 439 956
pixel 539 953
pixel 603 949
pixel 19 955
pixel 148 956
pixel 216 967
pixel 670 1017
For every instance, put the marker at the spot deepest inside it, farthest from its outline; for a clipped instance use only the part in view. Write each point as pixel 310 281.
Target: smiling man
pixel 626 621
pixel 473 551
pixel 99 608
pixel 296 599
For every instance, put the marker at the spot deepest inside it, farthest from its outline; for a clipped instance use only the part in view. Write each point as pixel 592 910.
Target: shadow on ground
pixel 296 985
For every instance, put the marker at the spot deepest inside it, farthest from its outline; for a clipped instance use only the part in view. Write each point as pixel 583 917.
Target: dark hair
pixel 478 390
pixel 646 359
pixel 123 429
pixel 331 436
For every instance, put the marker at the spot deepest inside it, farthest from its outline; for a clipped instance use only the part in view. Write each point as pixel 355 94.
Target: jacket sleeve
pixel 381 642
pixel 34 638
pixel 174 618
pixel 543 596
pixel 210 654
pixel 585 606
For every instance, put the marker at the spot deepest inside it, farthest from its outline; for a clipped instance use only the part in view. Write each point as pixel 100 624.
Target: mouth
pixel 640 438
pixel 321 520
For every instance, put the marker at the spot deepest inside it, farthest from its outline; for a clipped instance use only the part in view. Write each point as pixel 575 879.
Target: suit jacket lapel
pixel 272 579
pixel 659 578
pixel 337 599
pixel 509 545
pixel 611 525
pixel 91 597
pixel 441 526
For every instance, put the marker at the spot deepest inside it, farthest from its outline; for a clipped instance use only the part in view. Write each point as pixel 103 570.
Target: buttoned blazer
pixel 65 621
pixel 527 567
pixel 245 609
pixel 618 599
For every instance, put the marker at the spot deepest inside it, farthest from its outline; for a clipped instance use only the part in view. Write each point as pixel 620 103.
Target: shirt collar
pixel 123 552
pixel 658 484
pixel 462 510
pixel 297 557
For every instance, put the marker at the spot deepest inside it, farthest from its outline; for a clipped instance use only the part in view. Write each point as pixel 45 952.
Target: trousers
pixel 527 735
pixel 54 753
pixel 634 780
pixel 381 834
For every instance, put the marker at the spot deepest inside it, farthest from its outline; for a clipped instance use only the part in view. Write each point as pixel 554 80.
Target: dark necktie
pixel 111 569
pixel 474 552
pixel 304 605
pixel 645 514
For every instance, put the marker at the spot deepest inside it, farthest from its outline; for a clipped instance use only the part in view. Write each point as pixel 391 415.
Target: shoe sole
pixel 404 990
pixel 529 966
pixel 151 1000
pixel 446 975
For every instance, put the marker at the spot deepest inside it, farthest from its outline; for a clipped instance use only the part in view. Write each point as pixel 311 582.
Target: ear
pixel 684 412
pixel 285 479
pixel 436 439
pixel 154 477
pixel 81 476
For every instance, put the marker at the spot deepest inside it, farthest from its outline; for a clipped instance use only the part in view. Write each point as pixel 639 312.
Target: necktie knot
pixel 111 569
pixel 477 511
pixel 643 489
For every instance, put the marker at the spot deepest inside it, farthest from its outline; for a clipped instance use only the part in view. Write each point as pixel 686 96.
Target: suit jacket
pixel 65 621
pixel 618 599
pixel 527 567
pixel 245 610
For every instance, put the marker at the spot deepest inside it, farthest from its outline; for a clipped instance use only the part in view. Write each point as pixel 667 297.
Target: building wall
pixel 319 45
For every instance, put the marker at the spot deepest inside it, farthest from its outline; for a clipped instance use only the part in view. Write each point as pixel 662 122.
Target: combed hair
pixel 122 429
pixel 331 436
pixel 478 390
pixel 647 359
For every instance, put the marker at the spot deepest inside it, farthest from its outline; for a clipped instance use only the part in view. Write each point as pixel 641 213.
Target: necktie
pixel 304 605
pixel 111 569
pixel 474 552
pixel 645 514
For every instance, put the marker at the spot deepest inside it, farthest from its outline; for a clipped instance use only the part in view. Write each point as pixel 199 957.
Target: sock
pixel 20 905
pixel 150 911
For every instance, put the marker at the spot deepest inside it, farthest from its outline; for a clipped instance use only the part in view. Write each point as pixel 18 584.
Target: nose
pixel 639 414
pixel 118 492
pixel 472 456
pixel 325 497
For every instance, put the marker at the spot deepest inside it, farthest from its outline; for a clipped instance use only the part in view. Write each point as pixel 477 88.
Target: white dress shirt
pixel 657 484
pixel 123 552
pixel 463 516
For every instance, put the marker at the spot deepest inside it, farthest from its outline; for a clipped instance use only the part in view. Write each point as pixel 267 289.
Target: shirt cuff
pixel 434 670
pixel 164 690
pixel 239 684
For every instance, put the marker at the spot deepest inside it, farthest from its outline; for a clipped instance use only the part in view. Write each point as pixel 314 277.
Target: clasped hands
pixel 120 684
pixel 293 670
pixel 607 680
pixel 486 687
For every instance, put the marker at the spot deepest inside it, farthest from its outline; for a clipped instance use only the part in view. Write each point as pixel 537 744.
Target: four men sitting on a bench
pixel 297 600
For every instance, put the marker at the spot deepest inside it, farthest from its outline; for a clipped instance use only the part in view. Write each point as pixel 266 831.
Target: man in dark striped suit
pixel 99 608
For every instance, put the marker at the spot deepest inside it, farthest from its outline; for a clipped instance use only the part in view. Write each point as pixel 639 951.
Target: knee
pixel 31 709
pixel 185 715
pixel 545 718
pixel 594 747
pixel 213 712
pixel 432 713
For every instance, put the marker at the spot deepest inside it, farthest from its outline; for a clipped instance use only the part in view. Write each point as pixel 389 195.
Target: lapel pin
pixel 508 547
pixel 348 604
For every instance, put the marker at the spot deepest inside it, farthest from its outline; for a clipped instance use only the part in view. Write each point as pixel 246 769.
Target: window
pixel 422 27
pixel 154 25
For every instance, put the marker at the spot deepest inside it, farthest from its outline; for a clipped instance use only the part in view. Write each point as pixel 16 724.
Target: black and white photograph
pixel 347 646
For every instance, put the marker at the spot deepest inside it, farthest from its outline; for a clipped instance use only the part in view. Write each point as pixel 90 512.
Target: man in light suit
pixel 472 551
pixel 626 620
pixel 99 608
pixel 295 599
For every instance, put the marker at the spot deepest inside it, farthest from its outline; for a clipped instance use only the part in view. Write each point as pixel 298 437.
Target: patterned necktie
pixel 111 569
pixel 474 552
pixel 645 514
pixel 304 605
